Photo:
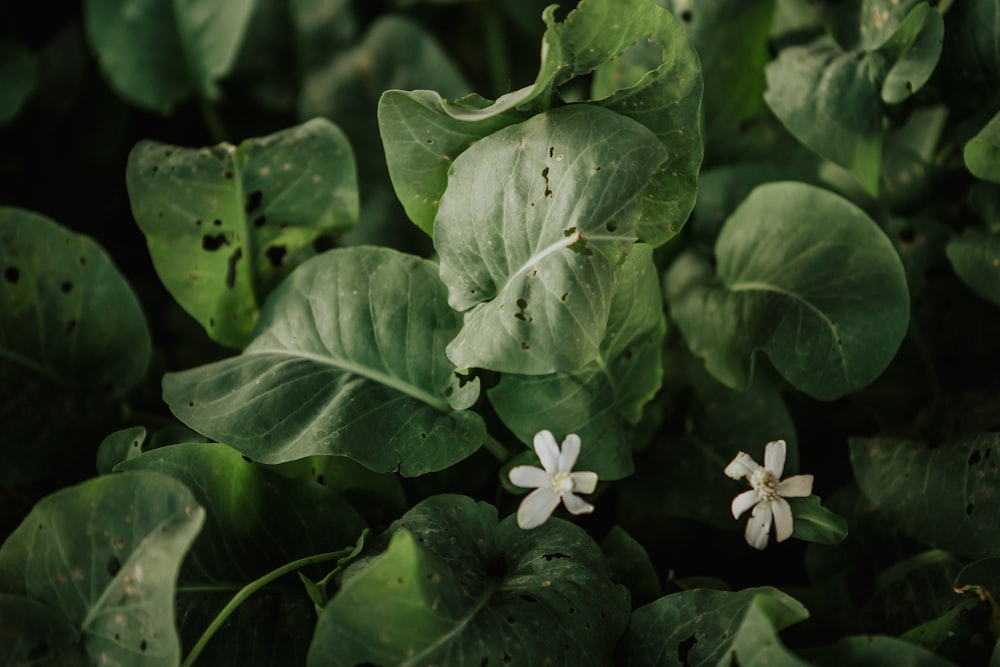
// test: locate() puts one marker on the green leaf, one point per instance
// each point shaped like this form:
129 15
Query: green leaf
756 641
73 339
423 134
815 523
942 496
454 587
225 224
32 633
630 565
106 553
528 236
698 627
975 256
18 74
256 521
958 633
603 399
804 276
122 445
982 152
358 370
831 98
157 52
873 651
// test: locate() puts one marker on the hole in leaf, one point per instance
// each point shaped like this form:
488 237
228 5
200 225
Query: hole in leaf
12 275
253 201
521 303
143 645
684 648
213 243
687 16
423 435
66 286
114 566
611 226
448 391
217 222
510 619
259 221
520 316
529 598
975 458
244 457
322 243
549 557
275 254
571 610
231 270
564 296
545 175
525 346
320 479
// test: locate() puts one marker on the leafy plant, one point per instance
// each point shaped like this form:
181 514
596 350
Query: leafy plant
298 299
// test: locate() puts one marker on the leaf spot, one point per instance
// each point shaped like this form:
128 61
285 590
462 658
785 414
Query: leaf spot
975 458
259 221
231 269
12 275
114 566
66 286
322 243
253 201
684 648
213 243
275 254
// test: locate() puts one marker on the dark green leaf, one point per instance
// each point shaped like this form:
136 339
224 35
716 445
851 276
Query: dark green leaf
528 236
358 371
17 78
106 554
873 651
32 633
630 565
804 276
603 399
982 152
224 225
455 588
975 256
255 521
942 496
815 523
120 446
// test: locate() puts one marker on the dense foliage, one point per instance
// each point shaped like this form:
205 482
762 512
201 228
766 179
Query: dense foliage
296 295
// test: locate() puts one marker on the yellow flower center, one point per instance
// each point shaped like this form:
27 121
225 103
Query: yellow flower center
561 482
765 484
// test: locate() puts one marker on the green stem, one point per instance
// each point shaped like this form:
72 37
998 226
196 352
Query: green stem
496 449
253 587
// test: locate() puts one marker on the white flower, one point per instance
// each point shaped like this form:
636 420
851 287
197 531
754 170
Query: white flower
555 482
767 495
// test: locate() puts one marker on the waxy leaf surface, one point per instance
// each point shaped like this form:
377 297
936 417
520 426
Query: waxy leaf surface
803 275
456 588
348 359
533 222
225 224
157 52
106 554
601 400
255 521
943 496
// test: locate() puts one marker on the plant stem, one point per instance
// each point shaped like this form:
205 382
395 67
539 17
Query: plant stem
251 588
496 449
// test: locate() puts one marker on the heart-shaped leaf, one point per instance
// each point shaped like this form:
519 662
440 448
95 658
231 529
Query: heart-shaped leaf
348 359
600 401
73 339
106 554
942 496
454 587
224 225
157 52
268 520
700 627
529 235
803 275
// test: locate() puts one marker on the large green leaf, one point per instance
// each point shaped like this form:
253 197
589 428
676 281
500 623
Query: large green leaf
348 359
529 234
975 256
422 133
944 496
756 642
256 521
982 152
831 98
225 224
803 275
698 627
17 78
73 339
157 52
454 587
603 399
874 651
106 554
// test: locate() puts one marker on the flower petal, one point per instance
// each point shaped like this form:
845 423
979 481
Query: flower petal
584 481
536 507
577 505
759 525
796 487
782 518
774 457
570 452
528 477
743 502
741 466
547 451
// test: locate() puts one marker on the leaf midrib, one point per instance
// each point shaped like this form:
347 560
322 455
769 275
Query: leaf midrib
479 605
363 371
